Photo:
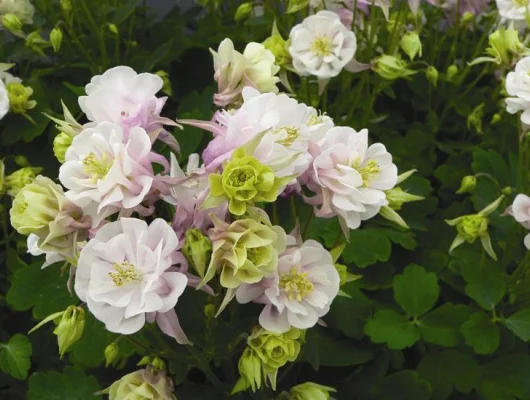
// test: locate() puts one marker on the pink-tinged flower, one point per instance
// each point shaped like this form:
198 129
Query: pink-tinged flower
106 172
299 293
188 196
518 86
350 177
129 99
287 125
520 210
126 276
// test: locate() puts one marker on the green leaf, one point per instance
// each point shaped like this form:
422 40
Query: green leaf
519 323
71 384
387 326
89 351
416 290
402 385
481 333
366 247
43 289
321 348
508 374
486 284
349 314
14 356
405 239
123 12
449 369
442 326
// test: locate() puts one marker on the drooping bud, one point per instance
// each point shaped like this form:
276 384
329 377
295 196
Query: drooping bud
452 70
12 23
474 119
209 311
35 42
197 249
61 143
243 11
15 181
278 46
56 38
468 184
143 384
310 391
112 353
432 75
411 44
70 328
19 102
391 67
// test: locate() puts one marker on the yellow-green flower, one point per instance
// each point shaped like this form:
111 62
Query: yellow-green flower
278 46
391 67
244 251
197 249
61 143
145 384
244 182
19 95
112 353
475 226
505 47
15 181
275 349
250 370
310 391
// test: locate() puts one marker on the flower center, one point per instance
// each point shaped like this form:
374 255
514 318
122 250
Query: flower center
240 176
125 273
520 3
254 255
98 169
369 171
292 134
315 119
472 226
296 285
321 46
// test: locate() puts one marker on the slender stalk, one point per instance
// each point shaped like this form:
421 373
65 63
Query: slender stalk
308 222
292 207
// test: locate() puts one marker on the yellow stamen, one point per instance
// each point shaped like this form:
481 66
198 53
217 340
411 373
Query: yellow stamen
292 135
520 3
296 285
98 169
321 46
368 171
125 273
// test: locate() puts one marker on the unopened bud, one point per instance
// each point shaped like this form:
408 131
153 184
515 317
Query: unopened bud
452 70
12 23
197 249
20 178
112 352
474 120
467 18
61 143
70 328
468 184
495 119
391 67
507 190
243 11
310 391
432 75
113 28
66 5
21 161
411 44
19 102
56 38
209 311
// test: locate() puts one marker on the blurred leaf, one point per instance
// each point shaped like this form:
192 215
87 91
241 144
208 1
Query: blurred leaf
402 385
71 384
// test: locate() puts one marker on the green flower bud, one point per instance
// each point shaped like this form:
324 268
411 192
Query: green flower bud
145 384
244 182
310 391
474 120
278 46
468 184
2 176
250 369
197 249
70 328
470 227
209 311
296 5
411 44
243 11
467 18
12 23
61 143
66 5
452 70
36 43
15 181
391 67
113 28
507 190
495 119
396 197
112 352
56 38
505 46
166 88
244 251
19 95
432 75
343 273
21 161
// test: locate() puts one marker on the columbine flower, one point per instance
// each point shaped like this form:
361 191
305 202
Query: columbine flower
244 182
520 210
129 99
19 95
299 293
23 9
512 10
474 226
197 249
41 208
126 276
310 391
145 384
15 181
504 47
107 171
244 251
350 177
4 100
321 45
188 196
233 71
518 86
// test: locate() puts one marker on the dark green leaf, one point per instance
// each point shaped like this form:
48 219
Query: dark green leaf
481 333
416 291
509 374
71 384
366 247
402 385
387 326
486 284
519 323
349 314
442 326
14 356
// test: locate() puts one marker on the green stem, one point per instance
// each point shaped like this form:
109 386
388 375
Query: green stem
204 366
308 222
292 206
